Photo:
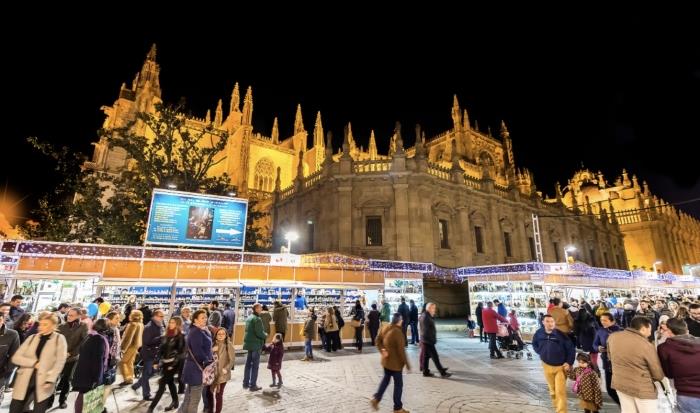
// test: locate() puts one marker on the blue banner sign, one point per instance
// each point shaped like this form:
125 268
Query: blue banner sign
196 220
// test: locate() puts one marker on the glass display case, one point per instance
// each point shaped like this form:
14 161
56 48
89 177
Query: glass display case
527 298
411 289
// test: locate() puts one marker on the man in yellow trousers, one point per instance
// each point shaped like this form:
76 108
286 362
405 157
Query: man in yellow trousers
557 353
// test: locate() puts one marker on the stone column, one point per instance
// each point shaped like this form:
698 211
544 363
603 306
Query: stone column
403 250
345 219
494 235
466 252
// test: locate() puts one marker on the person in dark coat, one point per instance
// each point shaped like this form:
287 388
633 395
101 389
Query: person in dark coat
600 342
274 363
338 336
280 314
171 350
23 326
358 314
428 335
373 323
92 363
413 320
150 343
198 356
147 313
9 343
75 333
480 322
406 316
585 331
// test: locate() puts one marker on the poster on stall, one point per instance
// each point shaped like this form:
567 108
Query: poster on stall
196 220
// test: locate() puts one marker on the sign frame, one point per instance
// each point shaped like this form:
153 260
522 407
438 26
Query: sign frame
156 191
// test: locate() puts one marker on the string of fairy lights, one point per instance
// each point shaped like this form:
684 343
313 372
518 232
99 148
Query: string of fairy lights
10 251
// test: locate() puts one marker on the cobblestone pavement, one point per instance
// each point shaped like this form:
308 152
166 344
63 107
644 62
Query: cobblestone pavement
345 381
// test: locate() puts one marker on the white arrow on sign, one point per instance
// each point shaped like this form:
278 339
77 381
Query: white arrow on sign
228 231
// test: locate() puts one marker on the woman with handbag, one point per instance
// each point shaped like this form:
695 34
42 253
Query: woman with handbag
170 351
40 361
198 362
358 322
224 354
92 363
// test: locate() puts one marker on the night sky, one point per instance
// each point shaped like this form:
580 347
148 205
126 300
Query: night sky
605 92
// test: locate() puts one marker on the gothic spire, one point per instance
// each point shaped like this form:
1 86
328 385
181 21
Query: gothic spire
372 146
219 116
456 115
235 99
318 131
298 121
275 132
248 107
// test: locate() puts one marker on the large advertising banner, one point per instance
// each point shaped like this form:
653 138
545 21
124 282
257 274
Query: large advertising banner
196 220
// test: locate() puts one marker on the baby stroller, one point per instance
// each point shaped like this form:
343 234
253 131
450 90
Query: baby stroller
511 342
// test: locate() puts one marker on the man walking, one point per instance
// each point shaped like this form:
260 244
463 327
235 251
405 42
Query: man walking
253 341
151 337
680 360
415 339
75 333
428 335
557 353
635 366
406 317
391 345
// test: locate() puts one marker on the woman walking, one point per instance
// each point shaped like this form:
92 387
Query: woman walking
40 361
199 355
92 363
171 350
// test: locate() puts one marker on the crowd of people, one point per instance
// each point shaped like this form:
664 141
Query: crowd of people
630 345
637 342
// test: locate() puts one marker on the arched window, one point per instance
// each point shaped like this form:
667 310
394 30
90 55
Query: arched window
265 175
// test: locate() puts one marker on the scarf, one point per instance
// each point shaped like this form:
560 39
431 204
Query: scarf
577 382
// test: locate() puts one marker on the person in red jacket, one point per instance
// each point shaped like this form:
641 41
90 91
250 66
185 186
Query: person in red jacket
491 319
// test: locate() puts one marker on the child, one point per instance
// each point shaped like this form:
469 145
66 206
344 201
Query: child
274 363
586 384
309 336
471 326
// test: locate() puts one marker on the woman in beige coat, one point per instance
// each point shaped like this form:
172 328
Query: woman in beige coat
37 375
131 342
224 354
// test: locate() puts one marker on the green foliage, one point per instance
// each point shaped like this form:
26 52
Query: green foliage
96 207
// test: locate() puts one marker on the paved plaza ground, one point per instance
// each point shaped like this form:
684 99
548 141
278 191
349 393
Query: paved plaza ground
345 381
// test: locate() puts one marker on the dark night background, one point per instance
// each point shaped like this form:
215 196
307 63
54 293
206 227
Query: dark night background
614 92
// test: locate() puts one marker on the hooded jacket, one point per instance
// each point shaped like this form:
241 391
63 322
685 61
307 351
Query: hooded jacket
680 359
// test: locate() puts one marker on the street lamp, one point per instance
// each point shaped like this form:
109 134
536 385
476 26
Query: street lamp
172 186
656 271
567 250
290 236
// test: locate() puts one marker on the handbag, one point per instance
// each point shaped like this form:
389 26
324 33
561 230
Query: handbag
355 323
208 372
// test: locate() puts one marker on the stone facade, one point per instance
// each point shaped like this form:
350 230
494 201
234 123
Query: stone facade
653 230
454 200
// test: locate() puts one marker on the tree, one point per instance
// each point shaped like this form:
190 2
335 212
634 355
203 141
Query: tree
164 151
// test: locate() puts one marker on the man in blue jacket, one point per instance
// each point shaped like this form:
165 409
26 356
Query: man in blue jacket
152 333
557 353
